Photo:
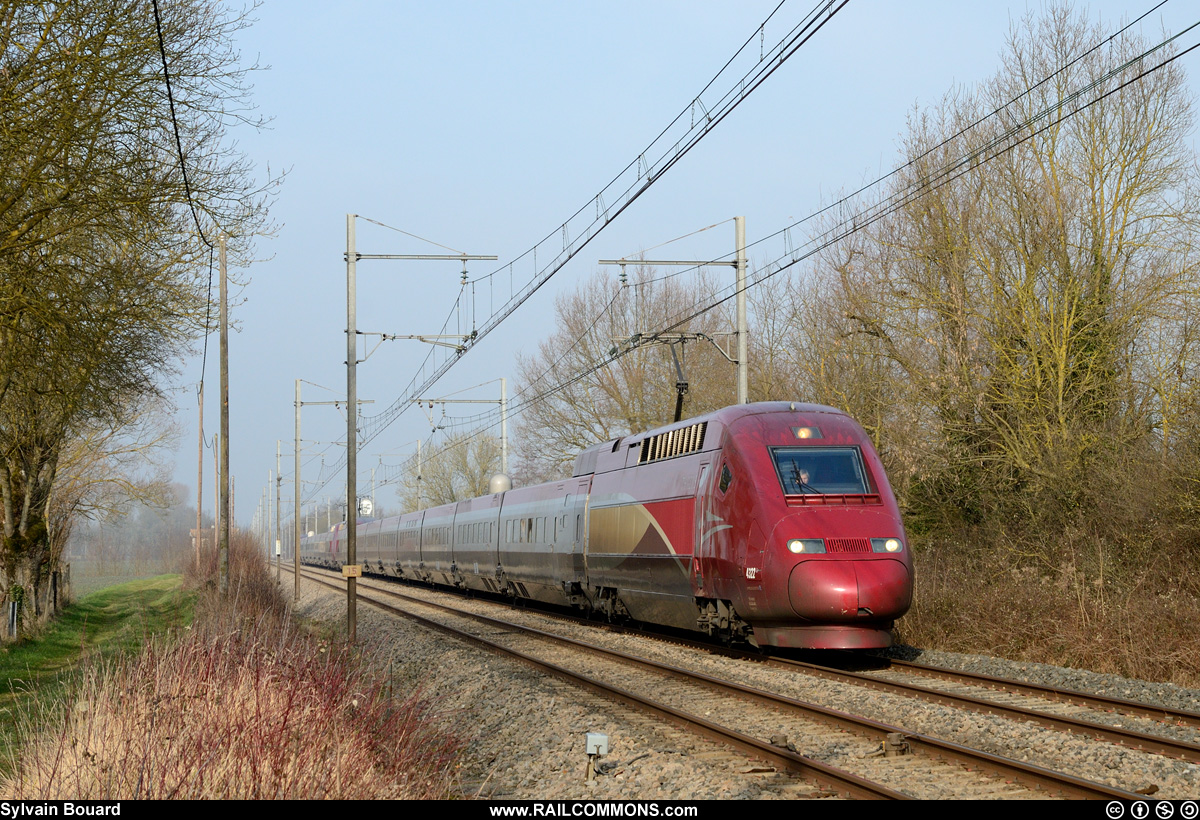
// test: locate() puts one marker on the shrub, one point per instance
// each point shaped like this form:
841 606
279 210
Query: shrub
240 705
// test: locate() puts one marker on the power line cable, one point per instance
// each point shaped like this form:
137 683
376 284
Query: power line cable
187 187
947 141
646 173
944 176
891 204
640 174
956 169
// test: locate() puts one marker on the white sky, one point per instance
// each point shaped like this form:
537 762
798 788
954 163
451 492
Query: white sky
484 125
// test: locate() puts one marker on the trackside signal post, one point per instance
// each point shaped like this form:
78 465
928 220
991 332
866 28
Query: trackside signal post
351 570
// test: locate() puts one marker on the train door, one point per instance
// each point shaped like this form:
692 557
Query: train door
575 532
703 561
583 493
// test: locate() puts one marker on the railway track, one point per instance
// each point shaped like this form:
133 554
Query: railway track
1144 727
551 658
839 750
1134 725
1157 713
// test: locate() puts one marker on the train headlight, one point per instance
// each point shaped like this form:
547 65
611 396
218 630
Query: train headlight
886 545
808 546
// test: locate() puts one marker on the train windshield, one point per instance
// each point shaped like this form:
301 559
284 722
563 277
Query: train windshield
820 470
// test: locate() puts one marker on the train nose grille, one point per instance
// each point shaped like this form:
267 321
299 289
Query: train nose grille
847 544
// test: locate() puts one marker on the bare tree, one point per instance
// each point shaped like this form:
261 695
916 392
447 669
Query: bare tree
104 273
459 468
572 396
1025 299
105 470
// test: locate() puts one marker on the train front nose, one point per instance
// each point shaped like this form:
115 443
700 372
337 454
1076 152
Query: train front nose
842 591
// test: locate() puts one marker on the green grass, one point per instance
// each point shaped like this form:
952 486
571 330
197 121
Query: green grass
115 619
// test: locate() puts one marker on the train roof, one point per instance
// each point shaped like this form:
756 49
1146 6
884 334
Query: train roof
683 437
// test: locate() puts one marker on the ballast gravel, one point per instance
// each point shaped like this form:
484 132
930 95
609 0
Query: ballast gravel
525 731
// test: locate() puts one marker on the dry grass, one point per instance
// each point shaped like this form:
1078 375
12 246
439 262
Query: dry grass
1092 607
1102 574
241 705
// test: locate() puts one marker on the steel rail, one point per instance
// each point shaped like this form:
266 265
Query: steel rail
829 776
1129 738
1160 713
1028 774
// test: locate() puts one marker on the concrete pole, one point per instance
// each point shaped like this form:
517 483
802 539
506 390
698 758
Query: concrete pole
278 526
266 500
296 475
504 425
351 431
743 331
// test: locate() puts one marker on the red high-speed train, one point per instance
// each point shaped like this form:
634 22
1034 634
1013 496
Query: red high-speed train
771 523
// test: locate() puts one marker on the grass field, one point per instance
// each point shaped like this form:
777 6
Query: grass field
216 696
115 619
88 576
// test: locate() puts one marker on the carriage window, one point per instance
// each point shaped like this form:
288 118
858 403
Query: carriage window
726 478
820 470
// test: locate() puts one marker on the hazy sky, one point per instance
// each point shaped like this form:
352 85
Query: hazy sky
484 125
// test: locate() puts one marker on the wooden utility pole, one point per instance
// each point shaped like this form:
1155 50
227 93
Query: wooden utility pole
223 544
216 490
199 474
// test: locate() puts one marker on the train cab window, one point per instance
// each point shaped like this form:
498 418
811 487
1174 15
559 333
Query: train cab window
820 470
726 478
